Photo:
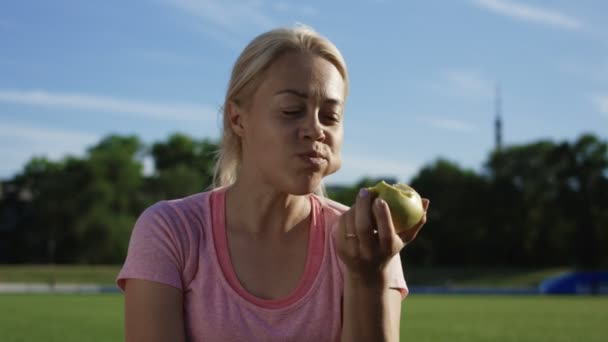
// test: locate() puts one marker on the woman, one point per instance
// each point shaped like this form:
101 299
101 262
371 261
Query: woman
260 257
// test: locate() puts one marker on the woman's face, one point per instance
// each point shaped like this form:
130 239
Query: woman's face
292 127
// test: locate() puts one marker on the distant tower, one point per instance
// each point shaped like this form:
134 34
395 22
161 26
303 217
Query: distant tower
498 121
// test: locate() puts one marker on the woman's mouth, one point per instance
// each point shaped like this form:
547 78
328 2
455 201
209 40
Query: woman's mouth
313 159
316 160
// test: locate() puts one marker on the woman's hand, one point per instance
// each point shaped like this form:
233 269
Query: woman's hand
366 239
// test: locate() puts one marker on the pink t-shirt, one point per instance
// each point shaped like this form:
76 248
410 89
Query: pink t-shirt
182 243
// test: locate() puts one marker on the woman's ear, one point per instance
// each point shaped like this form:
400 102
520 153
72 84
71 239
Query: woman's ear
235 116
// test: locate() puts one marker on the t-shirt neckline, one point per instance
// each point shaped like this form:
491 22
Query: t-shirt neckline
314 255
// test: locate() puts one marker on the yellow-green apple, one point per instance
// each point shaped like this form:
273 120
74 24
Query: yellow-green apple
404 202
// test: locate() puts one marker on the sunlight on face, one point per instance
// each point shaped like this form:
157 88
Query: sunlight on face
293 126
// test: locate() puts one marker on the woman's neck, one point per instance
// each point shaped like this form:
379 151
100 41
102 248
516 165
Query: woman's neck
252 207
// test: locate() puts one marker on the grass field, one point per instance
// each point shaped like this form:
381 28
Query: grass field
504 318
456 276
91 274
68 318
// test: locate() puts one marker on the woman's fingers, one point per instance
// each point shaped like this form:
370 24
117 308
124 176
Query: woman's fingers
366 237
366 234
345 236
386 230
346 229
364 224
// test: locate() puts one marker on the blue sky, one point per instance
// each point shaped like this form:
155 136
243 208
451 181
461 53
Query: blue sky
423 73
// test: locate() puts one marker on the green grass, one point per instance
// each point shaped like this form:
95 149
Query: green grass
479 276
91 274
65 318
504 318
457 276
70 318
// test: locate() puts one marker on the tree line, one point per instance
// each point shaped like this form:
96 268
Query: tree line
538 204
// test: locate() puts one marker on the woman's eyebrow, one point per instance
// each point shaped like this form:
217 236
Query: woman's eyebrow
298 93
305 95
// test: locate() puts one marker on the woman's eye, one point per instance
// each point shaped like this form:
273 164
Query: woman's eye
332 118
292 112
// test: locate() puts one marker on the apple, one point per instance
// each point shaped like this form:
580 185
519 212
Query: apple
404 202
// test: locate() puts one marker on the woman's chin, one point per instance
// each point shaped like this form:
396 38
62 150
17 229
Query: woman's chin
303 190
305 186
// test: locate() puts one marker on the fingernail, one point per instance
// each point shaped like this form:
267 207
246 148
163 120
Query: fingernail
363 193
379 203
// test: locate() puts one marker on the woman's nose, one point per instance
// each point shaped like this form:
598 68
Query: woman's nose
312 129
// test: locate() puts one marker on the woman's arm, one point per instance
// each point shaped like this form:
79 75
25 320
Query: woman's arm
153 312
366 242
372 312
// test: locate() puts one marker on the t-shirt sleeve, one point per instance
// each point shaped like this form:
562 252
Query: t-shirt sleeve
155 251
396 278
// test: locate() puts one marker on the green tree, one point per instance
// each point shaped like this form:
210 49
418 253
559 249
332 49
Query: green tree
183 166
548 201
31 239
537 204
82 209
456 228
522 209
111 200
583 189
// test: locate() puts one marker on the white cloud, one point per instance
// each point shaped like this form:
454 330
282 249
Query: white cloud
471 82
601 103
226 20
529 13
231 22
21 141
449 124
151 110
42 134
463 83
231 15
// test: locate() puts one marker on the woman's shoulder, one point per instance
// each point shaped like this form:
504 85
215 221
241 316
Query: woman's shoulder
166 241
330 208
191 203
179 213
334 205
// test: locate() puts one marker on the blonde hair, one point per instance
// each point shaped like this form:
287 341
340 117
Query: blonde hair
246 75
